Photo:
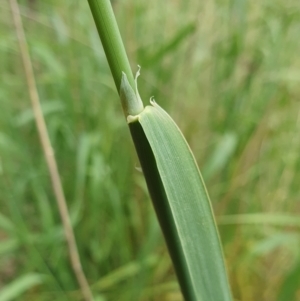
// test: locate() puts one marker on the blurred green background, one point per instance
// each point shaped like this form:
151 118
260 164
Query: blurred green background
228 72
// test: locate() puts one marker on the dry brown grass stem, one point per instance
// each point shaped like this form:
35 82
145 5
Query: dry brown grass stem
49 154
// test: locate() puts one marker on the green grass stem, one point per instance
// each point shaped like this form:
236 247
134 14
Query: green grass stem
111 40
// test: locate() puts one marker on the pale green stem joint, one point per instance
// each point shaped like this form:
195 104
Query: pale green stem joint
130 99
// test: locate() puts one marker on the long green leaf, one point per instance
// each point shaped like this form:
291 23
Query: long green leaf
184 205
19 286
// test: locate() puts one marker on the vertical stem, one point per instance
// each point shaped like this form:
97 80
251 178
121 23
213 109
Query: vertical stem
49 154
111 40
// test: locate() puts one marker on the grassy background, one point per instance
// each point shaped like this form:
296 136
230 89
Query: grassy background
228 71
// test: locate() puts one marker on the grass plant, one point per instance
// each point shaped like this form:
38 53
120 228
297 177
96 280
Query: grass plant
173 179
243 59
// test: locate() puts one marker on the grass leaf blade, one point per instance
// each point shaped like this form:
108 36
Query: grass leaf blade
19 286
191 231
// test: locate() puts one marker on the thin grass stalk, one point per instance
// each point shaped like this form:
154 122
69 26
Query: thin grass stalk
111 40
49 154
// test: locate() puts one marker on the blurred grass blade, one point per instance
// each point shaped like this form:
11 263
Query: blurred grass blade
8 246
221 154
131 269
182 205
16 288
272 242
5 223
276 219
170 45
83 153
289 289
48 107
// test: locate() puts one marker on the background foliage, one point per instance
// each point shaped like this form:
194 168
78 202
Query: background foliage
228 71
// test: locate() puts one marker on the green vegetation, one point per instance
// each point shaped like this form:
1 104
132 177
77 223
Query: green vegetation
227 71
174 183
